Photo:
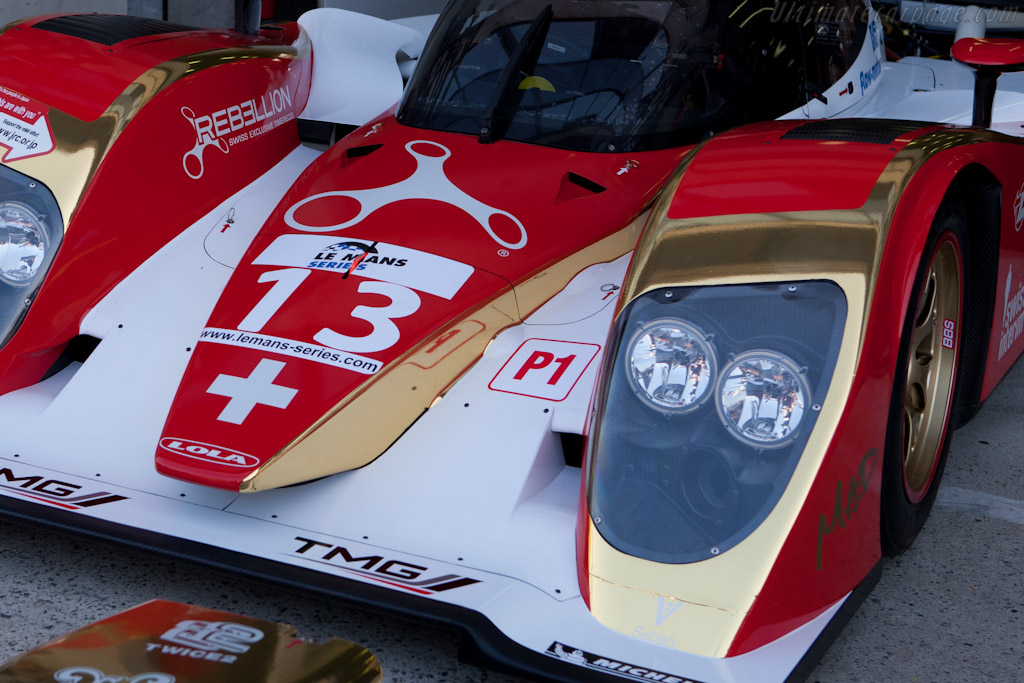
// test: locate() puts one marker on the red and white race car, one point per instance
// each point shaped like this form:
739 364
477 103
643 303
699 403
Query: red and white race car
630 339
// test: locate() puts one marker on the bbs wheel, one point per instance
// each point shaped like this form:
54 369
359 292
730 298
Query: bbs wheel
919 428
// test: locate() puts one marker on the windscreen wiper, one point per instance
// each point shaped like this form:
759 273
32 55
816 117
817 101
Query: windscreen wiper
506 93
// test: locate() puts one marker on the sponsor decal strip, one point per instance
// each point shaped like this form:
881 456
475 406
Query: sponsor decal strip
24 130
573 655
391 572
41 499
419 270
60 494
292 348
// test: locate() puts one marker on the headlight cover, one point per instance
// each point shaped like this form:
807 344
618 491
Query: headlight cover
31 230
762 398
672 365
707 398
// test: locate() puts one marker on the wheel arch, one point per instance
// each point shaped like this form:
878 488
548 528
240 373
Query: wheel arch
980 192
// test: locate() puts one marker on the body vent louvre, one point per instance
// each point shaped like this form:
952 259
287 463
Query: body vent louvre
875 131
109 29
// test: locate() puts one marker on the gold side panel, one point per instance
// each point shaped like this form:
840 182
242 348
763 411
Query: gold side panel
396 398
650 600
80 146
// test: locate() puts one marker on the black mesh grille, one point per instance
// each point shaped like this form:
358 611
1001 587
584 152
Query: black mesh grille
876 131
108 29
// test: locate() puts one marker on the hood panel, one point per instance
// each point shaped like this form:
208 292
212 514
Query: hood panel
508 208
82 77
293 336
383 260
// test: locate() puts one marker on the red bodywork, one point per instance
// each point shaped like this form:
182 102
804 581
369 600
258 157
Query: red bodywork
534 222
835 540
479 258
150 191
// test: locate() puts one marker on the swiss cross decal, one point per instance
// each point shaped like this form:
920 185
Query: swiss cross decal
545 368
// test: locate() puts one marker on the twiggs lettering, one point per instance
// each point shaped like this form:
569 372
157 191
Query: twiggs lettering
847 505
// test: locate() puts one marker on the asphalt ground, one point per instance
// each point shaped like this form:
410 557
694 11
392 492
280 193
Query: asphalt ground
950 610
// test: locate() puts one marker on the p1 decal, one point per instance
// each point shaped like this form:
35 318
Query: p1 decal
395 573
428 181
588 660
233 125
419 270
545 368
24 128
248 392
52 492
208 452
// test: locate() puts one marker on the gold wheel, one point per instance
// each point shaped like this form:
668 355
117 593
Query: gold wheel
931 368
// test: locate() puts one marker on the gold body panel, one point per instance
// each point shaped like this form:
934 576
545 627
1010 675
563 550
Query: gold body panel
80 146
699 607
397 397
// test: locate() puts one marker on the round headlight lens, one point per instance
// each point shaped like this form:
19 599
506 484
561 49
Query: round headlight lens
671 365
23 243
762 397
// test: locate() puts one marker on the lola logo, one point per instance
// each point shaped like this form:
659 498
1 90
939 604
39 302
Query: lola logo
428 181
208 452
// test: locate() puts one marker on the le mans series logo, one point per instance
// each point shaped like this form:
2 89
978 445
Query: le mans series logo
235 125
60 494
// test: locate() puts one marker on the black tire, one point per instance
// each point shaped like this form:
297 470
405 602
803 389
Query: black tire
920 429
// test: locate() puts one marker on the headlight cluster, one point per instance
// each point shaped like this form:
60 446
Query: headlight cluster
708 396
760 395
30 233
23 243
672 365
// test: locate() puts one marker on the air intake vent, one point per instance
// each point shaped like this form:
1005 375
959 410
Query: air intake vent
108 29
574 186
876 131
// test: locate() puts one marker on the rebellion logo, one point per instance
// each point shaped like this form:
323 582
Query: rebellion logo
208 452
395 573
239 121
428 181
53 492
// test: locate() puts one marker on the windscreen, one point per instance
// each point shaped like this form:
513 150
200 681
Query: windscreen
610 76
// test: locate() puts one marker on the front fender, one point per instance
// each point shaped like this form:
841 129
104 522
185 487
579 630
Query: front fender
849 202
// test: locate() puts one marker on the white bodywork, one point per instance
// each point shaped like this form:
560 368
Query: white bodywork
489 503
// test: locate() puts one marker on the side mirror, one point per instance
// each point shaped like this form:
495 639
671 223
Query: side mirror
356 75
990 58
